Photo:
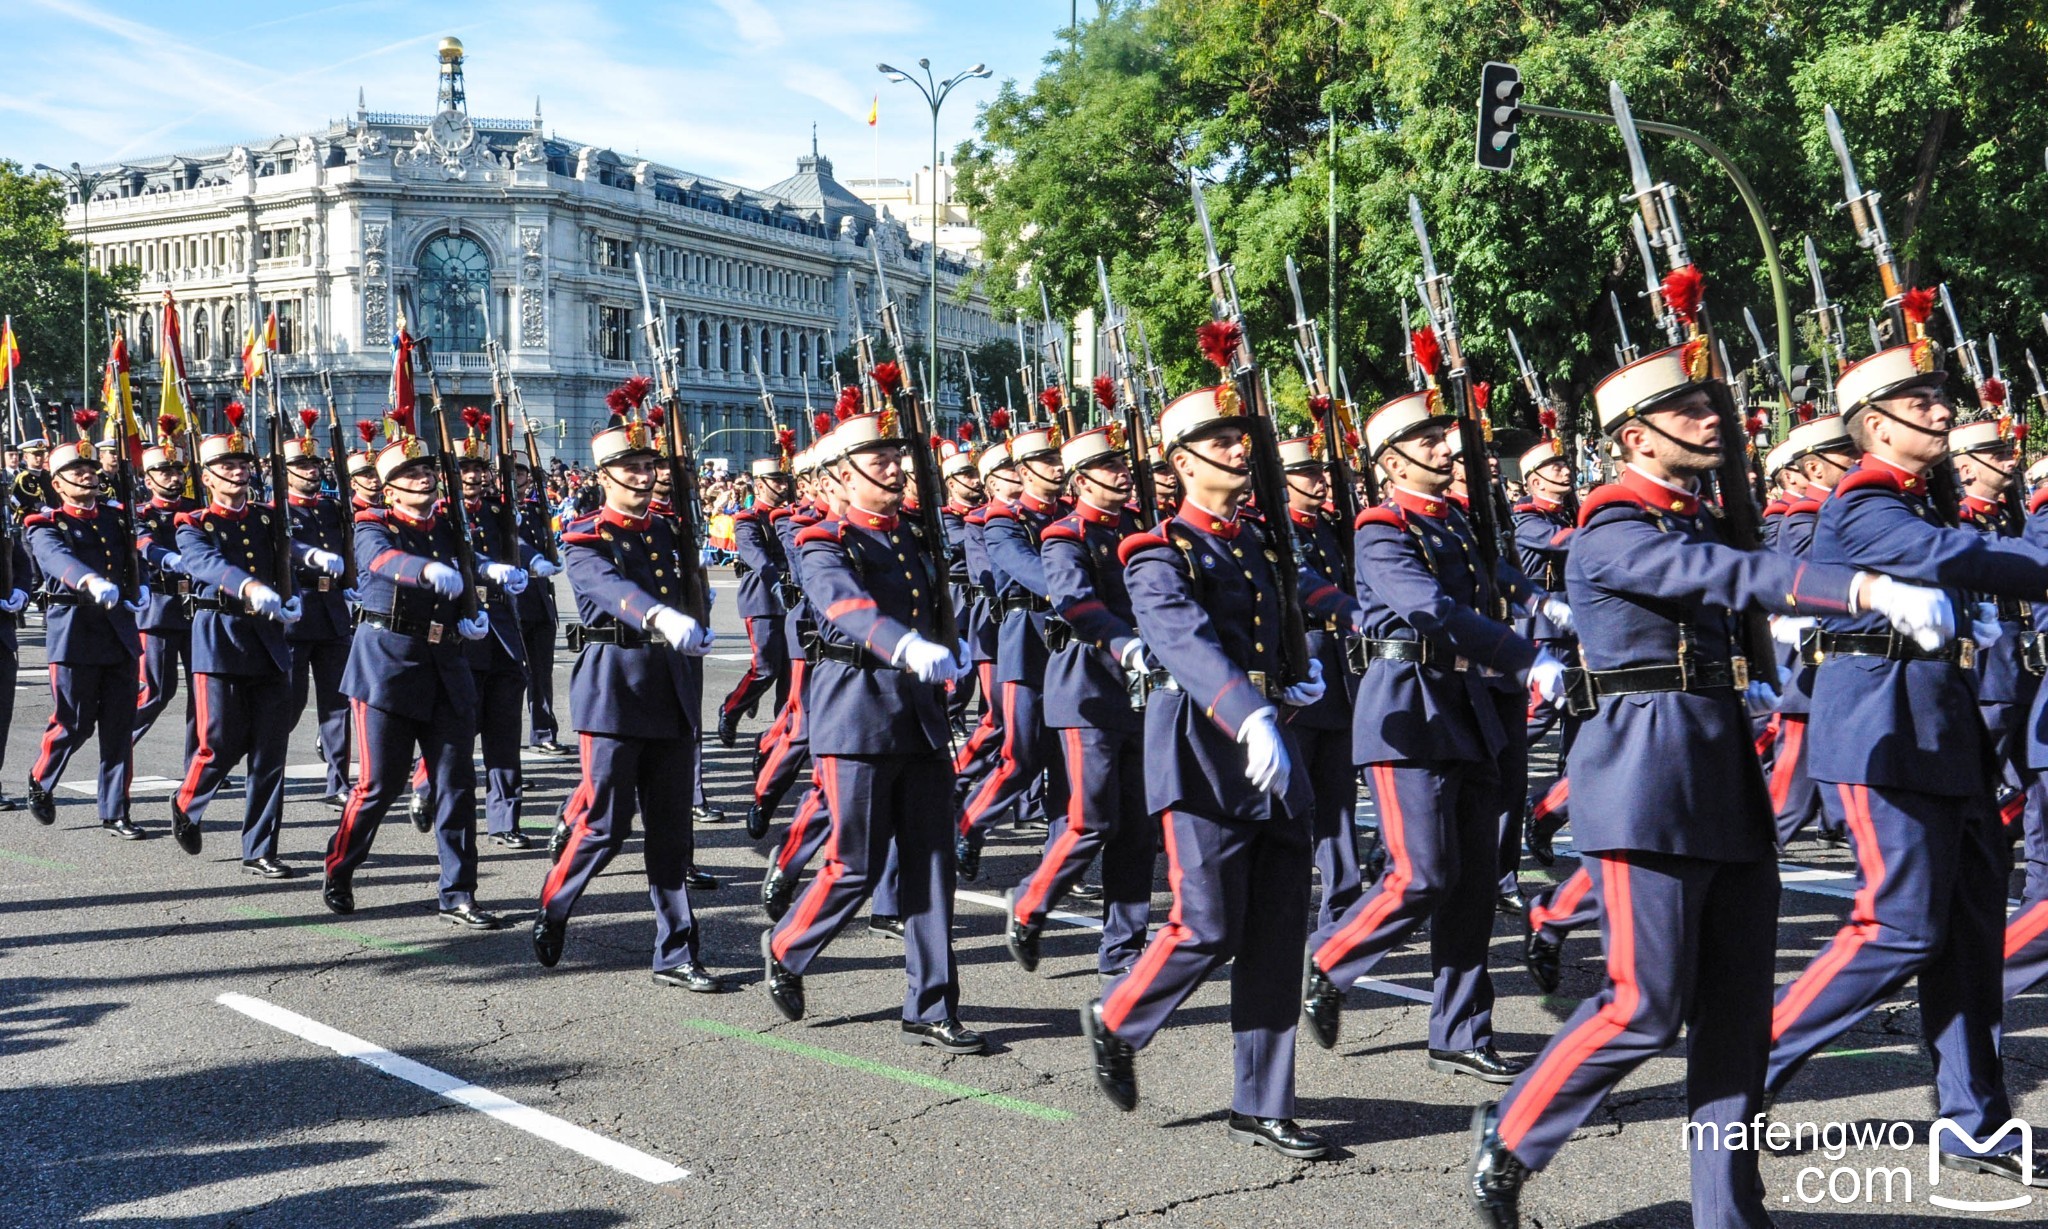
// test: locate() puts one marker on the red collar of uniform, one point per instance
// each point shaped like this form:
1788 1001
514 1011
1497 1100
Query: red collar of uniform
1032 503
864 519
1545 506
79 514
1195 516
1658 494
1092 515
660 507
958 509
633 524
169 505
399 515
304 501
1817 493
233 514
1302 519
1913 483
1464 502
1979 509
1436 507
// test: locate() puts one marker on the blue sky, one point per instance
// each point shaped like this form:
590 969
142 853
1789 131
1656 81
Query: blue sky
727 88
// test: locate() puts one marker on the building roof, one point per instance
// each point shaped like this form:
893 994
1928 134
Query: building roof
812 187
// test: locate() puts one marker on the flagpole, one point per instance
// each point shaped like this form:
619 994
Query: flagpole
13 409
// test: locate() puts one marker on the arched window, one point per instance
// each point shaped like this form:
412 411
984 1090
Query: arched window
747 349
145 339
682 341
703 343
803 352
725 347
200 337
228 340
782 359
454 275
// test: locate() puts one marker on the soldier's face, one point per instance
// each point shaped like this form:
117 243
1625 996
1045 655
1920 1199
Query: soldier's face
1916 431
36 459
1685 436
412 489
1307 488
304 477
1213 468
1422 462
1043 476
1551 480
629 484
364 483
78 482
1105 483
167 480
476 479
1004 486
965 488
227 480
874 479
772 491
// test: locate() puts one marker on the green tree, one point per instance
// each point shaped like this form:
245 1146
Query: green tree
39 285
1946 105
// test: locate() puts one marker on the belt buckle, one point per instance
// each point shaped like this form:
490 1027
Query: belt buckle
326 582
1966 653
433 633
184 585
1258 680
1461 664
1738 669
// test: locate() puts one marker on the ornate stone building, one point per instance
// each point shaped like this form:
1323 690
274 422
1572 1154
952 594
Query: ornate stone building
481 228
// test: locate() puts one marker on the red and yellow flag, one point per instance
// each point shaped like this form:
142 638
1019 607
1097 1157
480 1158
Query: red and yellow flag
117 397
173 360
10 353
875 111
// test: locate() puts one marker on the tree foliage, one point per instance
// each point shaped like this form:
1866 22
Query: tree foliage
1945 104
39 285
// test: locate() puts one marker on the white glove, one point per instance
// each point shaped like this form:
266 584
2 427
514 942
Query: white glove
104 593
477 628
1760 696
171 560
1265 754
931 663
705 639
352 597
1557 611
1924 615
543 568
263 600
1546 676
1308 691
1787 629
293 611
680 630
511 579
141 602
325 561
1134 656
14 602
1986 632
442 579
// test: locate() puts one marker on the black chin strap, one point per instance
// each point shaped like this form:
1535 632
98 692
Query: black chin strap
895 488
1878 407
1234 471
1695 449
1418 463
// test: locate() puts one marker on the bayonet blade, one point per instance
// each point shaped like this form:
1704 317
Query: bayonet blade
1642 237
1991 348
1638 168
1109 316
1620 321
1521 363
1948 307
1851 189
1820 287
2040 389
1422 237
1294 284
1763 352
1202 216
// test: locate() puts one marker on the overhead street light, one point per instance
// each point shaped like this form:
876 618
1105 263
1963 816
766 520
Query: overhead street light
86 183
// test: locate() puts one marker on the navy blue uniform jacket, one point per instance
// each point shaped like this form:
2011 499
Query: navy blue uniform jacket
399 673
870 583
223 551
1084 682
69 545
620 568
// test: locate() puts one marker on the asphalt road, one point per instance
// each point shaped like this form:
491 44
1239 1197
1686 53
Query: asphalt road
134 1094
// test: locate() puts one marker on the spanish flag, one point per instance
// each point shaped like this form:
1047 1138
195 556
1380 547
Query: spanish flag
874 110
173 407
10 353
118 398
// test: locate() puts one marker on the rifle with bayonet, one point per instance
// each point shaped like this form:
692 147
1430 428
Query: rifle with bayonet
549 548
687 503
1029 406
1269 482
1368 473
280 492
1834 339
1130 400
1334 425
2013 510
1416 381
1482 503
974 397
501 443
471 599
924 467
1674 332
1155 376
1657 205
1626 352
1054 345
337 446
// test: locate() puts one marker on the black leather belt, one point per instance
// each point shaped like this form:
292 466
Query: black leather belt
817 648
47 598
1030 603
194 603
790 592
1817 645
1583 689
401 625
2034 653
1364 651
582 635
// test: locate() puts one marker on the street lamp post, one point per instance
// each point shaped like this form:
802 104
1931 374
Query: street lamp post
86 183
934 95
1337 25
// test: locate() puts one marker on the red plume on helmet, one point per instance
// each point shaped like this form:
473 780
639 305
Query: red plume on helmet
167 424
401 417
785 442
1000 420
1482 394
472 418
966 432
1993 391
1052 399
85 418
888 377
1917 304
1547 418
938 445
1218 340
1105 392
1320 405
636 388
1754 424
366 429
234 413
1807 411
1428 352
1684 288
848 405
656 416
306 418
821 422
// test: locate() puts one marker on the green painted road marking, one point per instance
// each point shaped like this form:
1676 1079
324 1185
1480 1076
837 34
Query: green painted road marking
869 1067
31 860
340 932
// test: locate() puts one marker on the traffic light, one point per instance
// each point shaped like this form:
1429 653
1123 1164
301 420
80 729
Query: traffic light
1500 109
1807 383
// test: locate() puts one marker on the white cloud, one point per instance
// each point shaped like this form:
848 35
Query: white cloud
752 21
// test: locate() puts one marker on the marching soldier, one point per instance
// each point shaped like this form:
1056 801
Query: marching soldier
785 749
2026 931
1904 765
89 637
982 748
538 618
165 626
964 493
409 682
1224 774
1543 524
1688 890
1431 730
241 660
11 619
879 737
1096 652
1988 465
365 488
633 704
760 569
319 639
1010 536
32 490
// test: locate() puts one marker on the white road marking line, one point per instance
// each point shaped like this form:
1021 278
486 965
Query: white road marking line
626 1160
992 901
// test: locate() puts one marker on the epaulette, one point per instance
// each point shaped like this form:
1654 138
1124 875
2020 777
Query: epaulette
1527 506
1614 495
1137 542
1776 507
34 519
1857 480
1382 515
991 511
823 531
1065 529
746 514
1803 507
776 514
370 516
191 519
2040 498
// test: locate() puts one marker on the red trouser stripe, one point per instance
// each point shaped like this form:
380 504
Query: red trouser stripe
813 900
806 815
51 734
578 815
1005 764
1032 899
2025 927
1157 952
202 719
1862 915
1562 904
1400 873
1559 794
1791 737
360 792
1554 1068
142 686
757 670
